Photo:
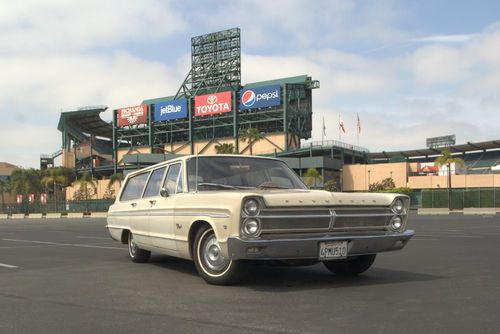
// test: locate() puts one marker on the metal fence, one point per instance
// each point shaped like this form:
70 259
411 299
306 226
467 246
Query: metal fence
96 205
462 198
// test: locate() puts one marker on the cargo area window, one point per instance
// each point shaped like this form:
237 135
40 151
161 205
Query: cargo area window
134 187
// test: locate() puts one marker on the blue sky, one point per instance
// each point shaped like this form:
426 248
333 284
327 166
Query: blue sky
410 69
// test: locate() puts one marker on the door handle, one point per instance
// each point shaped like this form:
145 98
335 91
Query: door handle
153 201
133 204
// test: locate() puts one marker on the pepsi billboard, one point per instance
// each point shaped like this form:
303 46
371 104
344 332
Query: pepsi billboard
260 97
170 110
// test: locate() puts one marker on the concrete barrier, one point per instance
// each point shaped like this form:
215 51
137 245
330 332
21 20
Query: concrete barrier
75 214
98 214
17 216
433 211
35 215
4 216
53 215
480 211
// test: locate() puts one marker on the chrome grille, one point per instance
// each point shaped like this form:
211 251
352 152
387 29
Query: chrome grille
306 219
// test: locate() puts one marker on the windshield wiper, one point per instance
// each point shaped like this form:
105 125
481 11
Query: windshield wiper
219 185
270 185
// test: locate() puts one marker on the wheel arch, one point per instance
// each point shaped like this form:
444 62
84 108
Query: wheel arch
124 237
195 226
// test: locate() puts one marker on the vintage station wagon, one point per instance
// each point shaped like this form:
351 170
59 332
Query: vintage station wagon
223 210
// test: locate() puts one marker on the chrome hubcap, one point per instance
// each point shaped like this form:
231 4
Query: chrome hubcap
212 256
132 245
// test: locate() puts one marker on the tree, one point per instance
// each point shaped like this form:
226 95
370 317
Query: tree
85 181
25 181
446 160
312 176
54 178
4 187
251 135
330 186
385 184
225 149
110 192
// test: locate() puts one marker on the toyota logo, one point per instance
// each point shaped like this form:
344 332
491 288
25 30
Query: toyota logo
211 99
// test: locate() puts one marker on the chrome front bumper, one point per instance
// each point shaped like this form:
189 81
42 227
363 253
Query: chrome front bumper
308 247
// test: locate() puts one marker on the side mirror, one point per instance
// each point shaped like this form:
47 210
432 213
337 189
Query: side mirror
163 192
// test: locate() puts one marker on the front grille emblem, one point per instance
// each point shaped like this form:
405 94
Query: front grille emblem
333 215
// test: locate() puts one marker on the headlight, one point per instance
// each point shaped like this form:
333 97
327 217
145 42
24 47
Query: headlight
250 227
396 223
251 207
398 206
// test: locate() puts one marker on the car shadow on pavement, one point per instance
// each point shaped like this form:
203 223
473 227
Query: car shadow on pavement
274 278
278 277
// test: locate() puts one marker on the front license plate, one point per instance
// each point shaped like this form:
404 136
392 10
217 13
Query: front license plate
332 250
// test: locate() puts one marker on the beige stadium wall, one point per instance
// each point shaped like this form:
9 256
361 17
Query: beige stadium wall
101 187
267 145
68 159
123 151
357 177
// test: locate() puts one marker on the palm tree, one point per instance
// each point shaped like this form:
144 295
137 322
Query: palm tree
4 187
312 176
54 178
116 177
252 135
446 160
25 181
224 148
85 181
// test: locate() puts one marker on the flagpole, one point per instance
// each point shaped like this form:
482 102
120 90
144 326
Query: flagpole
323 131
339 129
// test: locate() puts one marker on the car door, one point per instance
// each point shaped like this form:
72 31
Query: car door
162 213
139 207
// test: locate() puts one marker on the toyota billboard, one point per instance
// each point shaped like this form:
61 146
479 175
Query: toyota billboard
260 97
212 104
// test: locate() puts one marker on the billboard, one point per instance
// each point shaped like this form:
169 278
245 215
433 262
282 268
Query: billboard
260 97
169 110
212 104
133 115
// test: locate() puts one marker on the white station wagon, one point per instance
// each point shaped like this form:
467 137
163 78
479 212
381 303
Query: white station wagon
223 210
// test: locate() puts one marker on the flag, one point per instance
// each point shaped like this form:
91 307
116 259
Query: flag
341 124
324 127
359 123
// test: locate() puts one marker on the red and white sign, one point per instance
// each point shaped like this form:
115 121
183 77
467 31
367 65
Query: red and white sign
133 115
212 104
31 198
43 198
19 198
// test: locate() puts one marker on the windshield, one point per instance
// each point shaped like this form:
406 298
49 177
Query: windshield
215 173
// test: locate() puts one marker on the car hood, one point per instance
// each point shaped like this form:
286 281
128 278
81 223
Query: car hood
322 198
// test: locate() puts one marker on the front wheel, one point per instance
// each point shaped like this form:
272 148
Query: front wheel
351 266
214 267
137 254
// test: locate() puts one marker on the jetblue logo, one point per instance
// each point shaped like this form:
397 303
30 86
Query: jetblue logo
170 110
260 97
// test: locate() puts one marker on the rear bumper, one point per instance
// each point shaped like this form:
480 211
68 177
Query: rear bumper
308 247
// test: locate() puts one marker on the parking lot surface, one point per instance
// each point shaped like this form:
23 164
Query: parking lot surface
68 276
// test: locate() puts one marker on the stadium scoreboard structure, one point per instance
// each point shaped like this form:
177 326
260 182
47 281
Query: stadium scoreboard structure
211 106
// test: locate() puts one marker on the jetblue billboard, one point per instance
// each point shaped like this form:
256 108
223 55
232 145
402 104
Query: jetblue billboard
170 110
260 97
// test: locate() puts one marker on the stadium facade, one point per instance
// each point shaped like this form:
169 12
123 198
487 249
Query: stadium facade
212 107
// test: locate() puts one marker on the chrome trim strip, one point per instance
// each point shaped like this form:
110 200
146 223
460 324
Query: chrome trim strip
158 213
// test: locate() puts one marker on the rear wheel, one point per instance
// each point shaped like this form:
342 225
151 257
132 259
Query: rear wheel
137 254
211 264
353 265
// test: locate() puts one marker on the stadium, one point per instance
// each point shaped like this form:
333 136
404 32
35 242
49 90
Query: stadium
212 109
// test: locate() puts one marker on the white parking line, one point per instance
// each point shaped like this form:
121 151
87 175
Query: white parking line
61 244
103 238
8 266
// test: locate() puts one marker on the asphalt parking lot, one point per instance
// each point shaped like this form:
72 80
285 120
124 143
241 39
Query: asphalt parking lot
68 276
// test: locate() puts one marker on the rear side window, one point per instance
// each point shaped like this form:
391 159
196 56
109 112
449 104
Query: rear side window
134 187
171 179
153 187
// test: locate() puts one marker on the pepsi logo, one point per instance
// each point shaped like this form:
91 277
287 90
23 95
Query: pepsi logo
211 99
248 98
